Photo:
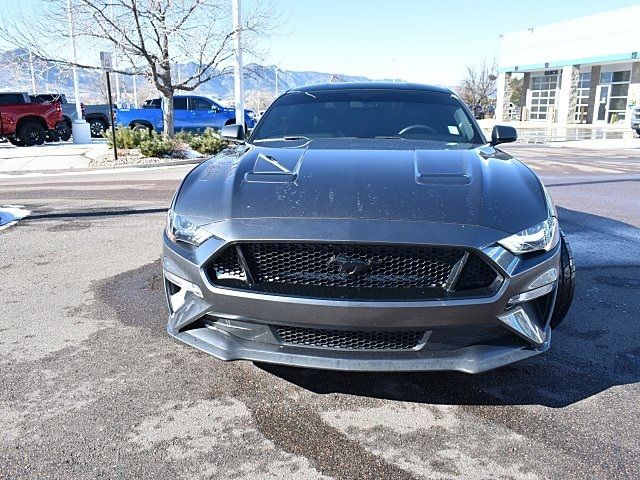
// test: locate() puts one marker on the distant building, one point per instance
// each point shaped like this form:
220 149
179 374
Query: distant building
583 70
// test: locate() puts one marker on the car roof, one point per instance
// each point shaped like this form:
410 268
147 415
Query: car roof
371 86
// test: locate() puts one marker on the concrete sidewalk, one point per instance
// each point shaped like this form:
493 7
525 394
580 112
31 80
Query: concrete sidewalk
599 144
543 133
49 156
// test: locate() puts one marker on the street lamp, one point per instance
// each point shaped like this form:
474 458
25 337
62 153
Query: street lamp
238 73
80 128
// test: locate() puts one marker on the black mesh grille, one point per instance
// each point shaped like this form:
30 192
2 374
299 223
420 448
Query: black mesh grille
349 271
351 340
318 264
476 274
227 269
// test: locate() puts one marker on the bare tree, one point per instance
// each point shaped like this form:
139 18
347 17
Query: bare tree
478 86
151 35
22 71
259 100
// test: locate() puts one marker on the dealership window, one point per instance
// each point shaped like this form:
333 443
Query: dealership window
614 91
543 94
582 98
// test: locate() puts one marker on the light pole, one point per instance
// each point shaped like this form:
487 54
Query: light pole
33 74
115 58
80 129
238 73
275 71
135 90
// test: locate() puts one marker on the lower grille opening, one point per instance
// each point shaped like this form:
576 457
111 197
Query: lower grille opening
350 339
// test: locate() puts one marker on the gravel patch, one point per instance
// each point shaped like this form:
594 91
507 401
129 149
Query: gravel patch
134 157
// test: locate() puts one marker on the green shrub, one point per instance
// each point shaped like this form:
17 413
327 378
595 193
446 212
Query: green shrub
127 137
157 146
184 136
209 143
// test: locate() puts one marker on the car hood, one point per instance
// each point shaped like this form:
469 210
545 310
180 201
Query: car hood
359 180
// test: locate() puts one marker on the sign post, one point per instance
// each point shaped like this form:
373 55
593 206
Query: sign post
107 66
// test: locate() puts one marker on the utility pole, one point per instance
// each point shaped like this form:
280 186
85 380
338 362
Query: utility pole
238 73
80 129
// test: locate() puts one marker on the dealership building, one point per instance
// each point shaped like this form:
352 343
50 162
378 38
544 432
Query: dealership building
583 70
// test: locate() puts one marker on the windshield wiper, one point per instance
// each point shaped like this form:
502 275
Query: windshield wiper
390 137
291 138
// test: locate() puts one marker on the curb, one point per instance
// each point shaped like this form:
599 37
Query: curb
106 169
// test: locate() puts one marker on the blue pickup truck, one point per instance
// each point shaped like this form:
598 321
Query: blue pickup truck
191 113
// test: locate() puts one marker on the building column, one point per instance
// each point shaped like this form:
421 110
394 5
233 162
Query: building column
526 81
595 81
573 94
633 99
503 96
567 99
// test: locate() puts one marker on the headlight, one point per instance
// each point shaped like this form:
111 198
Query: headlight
185 229
543 236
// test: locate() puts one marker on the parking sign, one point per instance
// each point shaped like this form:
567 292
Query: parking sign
105 61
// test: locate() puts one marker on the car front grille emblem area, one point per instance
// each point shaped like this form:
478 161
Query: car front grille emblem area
352 271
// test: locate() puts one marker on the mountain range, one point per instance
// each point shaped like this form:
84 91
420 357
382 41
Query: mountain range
260 80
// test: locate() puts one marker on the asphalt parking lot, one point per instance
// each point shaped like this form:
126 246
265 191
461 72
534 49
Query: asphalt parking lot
92 387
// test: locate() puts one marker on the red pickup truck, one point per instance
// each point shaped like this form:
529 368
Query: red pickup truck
24 123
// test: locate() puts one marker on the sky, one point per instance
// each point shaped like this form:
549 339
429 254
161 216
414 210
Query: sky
423 41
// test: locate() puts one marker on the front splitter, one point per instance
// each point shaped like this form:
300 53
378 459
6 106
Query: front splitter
472 359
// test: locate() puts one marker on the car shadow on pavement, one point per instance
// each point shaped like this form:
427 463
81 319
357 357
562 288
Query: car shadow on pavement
596 347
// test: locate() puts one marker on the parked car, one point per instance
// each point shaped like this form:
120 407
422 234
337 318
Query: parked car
191 113
98 117
366 226
478 112
25 123
69 113
635 119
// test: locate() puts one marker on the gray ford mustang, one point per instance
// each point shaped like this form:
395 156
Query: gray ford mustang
366 227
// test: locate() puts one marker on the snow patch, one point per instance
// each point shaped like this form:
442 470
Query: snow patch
10 214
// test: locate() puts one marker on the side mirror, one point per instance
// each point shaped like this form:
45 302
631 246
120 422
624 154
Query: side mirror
235 133
214 108
503 134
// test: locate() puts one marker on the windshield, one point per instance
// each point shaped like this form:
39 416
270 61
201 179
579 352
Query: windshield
368 113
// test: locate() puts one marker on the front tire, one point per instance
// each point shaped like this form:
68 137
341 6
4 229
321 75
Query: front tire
64 132
32 133
566 283
15 141
97 127
53 136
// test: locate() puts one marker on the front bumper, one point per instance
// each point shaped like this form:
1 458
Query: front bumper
468 335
